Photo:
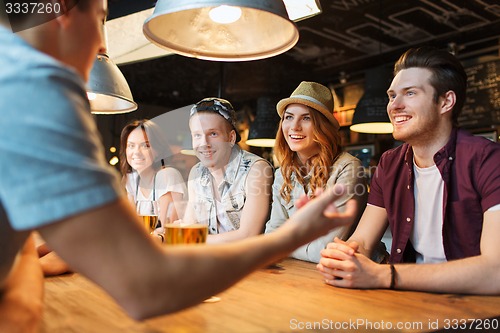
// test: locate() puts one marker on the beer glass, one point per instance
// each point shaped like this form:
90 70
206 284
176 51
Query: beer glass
185 233
148 212
186 230
150 222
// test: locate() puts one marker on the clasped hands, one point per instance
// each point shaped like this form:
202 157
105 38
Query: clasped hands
343 266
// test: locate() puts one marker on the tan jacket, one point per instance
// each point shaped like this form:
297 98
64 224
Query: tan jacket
346 170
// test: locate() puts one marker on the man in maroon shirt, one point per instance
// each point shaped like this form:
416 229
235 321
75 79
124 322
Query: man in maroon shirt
439 192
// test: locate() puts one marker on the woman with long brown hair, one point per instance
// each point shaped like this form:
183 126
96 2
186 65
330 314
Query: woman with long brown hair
310 156
151 185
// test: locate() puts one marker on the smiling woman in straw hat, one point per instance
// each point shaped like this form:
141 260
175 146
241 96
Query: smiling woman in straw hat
310 157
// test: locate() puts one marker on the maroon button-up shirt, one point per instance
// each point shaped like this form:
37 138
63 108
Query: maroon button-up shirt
470 168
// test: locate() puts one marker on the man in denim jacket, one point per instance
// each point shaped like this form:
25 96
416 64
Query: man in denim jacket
229 189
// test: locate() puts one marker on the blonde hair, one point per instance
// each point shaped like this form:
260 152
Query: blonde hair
328 139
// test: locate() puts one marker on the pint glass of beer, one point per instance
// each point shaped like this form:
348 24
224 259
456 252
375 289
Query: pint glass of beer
150 222
187 230
185 233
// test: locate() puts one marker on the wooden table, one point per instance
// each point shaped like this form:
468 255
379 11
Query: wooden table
288 298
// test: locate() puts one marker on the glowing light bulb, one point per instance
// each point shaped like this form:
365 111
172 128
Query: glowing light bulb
225 14
114 160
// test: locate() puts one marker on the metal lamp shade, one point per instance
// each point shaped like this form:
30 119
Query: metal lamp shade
262 131
184 27
108 89
370 115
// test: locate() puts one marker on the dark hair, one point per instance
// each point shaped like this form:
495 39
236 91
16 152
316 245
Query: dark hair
122 154
21 20
447 73
153 135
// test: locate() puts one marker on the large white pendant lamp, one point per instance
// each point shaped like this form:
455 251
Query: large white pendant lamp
225 30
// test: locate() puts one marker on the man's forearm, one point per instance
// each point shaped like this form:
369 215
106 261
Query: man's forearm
474 275
21 299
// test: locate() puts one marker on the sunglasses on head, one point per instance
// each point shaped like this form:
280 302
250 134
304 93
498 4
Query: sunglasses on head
215 105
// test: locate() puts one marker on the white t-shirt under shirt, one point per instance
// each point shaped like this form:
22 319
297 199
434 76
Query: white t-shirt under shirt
427 233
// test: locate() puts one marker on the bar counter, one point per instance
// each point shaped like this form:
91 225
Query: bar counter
288 297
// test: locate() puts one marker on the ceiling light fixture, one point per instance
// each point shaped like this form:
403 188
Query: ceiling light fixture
107 88
262 132
185 27
370 115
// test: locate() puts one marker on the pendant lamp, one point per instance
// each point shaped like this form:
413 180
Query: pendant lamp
370 115
263 129
225 30
107 88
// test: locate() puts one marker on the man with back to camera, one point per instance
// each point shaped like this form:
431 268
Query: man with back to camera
439 192
56 180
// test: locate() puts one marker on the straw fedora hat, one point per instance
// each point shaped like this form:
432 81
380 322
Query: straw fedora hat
314 95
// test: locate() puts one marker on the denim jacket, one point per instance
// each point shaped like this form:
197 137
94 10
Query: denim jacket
345 170
232 191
